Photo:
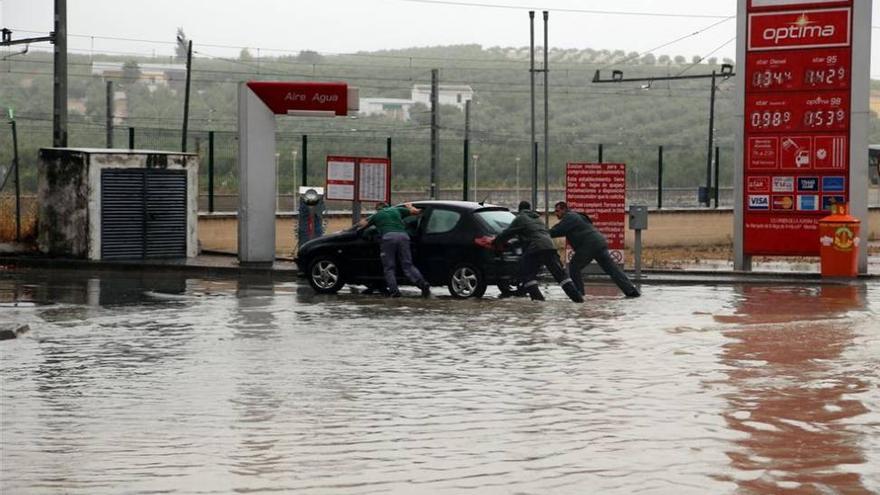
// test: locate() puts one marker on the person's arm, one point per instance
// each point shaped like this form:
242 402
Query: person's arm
563 227
515 227
365 222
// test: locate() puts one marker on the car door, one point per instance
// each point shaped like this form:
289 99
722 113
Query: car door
440 243
360 255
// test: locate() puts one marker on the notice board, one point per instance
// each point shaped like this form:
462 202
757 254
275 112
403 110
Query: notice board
358 178
599 190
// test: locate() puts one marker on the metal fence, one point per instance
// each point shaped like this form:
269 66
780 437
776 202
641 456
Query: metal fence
499 170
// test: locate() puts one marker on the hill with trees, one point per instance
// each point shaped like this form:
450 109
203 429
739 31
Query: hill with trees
630 120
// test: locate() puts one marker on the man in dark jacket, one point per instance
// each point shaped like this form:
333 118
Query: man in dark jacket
588 244
395 245
538 250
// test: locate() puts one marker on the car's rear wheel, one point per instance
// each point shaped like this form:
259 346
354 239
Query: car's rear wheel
466 281
325 276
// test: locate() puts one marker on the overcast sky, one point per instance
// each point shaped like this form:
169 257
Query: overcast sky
345 26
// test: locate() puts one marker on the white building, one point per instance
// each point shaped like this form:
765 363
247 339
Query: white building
449 94
396 108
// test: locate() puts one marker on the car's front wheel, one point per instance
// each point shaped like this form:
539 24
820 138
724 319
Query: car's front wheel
465 281
325 276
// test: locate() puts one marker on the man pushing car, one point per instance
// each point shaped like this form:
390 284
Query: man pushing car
395 245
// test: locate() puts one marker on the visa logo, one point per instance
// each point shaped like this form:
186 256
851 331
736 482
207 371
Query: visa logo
759 202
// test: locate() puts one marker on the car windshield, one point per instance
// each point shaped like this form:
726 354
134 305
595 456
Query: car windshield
495 220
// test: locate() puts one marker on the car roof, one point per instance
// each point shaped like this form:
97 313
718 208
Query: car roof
457 205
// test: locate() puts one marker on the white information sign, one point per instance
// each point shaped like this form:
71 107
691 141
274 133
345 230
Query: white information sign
340 178
374 180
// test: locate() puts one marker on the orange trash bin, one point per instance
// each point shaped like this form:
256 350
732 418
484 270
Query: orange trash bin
839 243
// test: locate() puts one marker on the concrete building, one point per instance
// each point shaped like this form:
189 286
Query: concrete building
449 94
150 74
396 108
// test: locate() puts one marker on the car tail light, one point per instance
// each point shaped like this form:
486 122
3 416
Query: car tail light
485 242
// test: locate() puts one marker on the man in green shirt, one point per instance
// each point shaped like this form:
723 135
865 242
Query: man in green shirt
395 245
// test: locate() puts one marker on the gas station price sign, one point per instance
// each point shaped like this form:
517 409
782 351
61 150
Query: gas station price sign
796 122
797 112
798 70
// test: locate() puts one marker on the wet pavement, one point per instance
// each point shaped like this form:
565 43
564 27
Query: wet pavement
132 382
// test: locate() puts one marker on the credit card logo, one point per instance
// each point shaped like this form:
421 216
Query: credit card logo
783 184
808 184
808 202
836 183
759 202
759 184
784 203
833 199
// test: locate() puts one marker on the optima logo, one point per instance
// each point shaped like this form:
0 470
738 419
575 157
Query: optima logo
801 29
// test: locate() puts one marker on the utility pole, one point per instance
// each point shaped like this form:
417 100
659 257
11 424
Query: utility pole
17 179
532 148
546 128
110 114
711 141
59 85
189 54
435 131
467 132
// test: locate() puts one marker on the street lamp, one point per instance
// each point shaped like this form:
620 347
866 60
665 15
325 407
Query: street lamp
277 182
476 157
294 153
517 178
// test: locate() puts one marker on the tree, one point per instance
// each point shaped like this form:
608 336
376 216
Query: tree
713 61
310 57
727 61
131 72
679 59
649 59
181 49
696 59
245 55
664 59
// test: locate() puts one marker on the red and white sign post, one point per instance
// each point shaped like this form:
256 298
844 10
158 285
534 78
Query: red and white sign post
599 190
803 107
258 104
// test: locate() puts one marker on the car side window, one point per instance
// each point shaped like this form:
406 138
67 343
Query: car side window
442 221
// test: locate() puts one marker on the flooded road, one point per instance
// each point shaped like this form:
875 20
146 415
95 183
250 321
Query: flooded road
130 383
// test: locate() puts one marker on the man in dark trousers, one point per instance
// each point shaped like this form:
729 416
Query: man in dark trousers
588 244
395 245
538 251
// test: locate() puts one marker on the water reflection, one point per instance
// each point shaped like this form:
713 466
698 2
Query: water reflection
793 391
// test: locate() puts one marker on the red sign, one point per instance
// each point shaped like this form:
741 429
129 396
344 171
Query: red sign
355 178
599 190
776 4
316 98
782 111
797 120
799 29
798 69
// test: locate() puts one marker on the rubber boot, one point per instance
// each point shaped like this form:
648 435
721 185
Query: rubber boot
426 289
572 292
535 293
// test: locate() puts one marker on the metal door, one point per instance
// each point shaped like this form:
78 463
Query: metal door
143 213
122 214
165 214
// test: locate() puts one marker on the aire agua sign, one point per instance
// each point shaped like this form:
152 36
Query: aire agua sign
307 98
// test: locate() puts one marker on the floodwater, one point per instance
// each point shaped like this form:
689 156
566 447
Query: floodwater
130 383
